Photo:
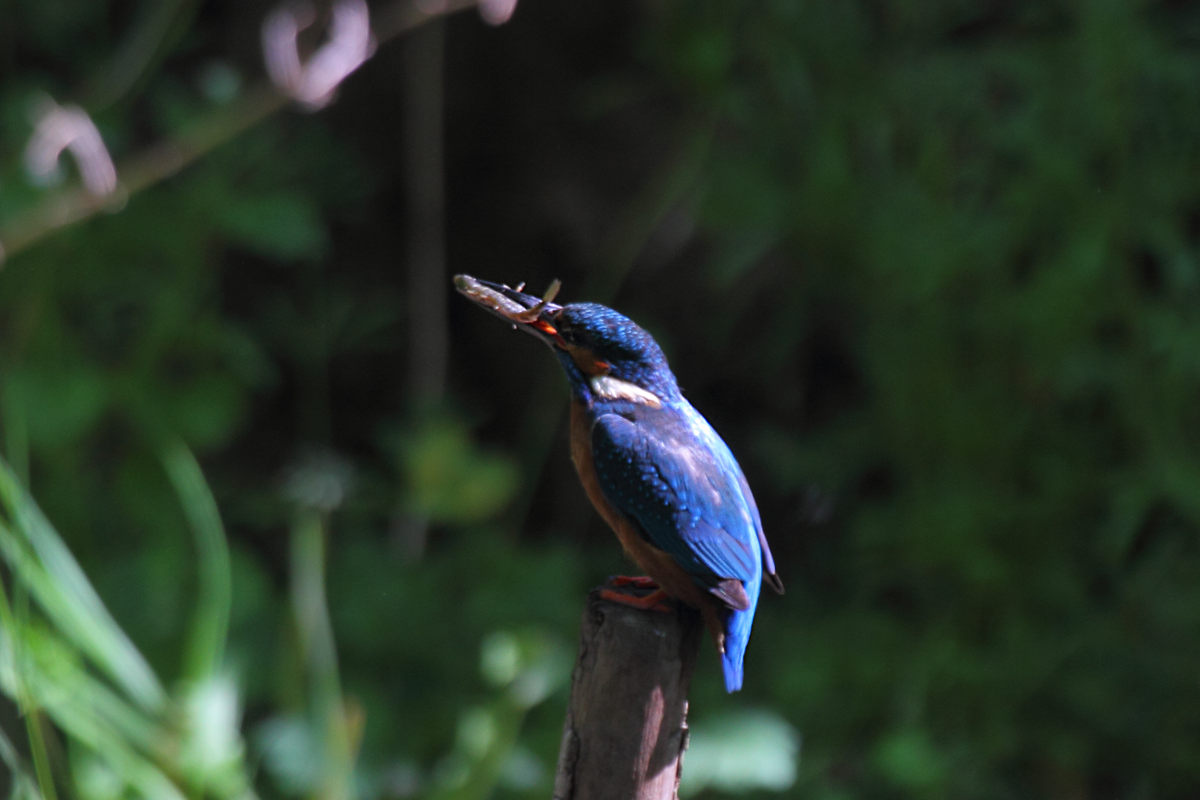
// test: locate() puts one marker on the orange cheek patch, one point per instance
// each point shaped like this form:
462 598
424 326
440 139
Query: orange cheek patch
588 363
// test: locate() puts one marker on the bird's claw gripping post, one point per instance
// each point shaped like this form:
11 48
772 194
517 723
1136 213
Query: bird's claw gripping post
635 581
617 591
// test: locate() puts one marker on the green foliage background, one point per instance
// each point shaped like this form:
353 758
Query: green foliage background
930 268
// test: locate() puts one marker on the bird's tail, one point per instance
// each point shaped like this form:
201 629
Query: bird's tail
737 636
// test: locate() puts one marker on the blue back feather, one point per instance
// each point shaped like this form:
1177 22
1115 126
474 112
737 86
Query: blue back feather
670 472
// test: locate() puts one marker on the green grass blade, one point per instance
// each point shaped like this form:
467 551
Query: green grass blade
22 784
45 567
215 594
27 708
85 710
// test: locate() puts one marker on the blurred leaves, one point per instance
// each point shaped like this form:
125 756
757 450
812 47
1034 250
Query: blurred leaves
910 761
69 400
212 751
740 752
121 723
963 233
447 478
932 269
284 226
529 666
48 571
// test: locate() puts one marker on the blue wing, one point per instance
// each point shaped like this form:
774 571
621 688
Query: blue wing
680 483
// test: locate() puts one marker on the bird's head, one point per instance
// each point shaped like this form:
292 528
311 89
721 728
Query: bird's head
606 355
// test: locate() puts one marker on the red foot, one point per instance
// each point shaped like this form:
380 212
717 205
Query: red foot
636 581
658 600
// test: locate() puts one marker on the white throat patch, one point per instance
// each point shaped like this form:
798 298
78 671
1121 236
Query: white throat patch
611 388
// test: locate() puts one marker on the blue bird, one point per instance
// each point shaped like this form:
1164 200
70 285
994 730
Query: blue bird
655 470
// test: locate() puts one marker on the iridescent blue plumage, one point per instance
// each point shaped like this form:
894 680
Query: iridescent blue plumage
668 470
657 471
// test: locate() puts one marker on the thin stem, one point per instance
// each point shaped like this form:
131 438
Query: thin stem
319 652
211 624
70 206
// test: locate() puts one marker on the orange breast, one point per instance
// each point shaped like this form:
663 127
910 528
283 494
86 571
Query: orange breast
656 563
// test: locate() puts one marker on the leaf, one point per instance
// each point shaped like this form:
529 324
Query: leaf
205 408
283 225
740 752
448 479
911 760
59 404
43 564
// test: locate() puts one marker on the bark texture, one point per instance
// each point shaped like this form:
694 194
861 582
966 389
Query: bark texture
626 726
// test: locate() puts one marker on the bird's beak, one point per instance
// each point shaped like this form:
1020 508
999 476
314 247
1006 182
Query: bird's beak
531 314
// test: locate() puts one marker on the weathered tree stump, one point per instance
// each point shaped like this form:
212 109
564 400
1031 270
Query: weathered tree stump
626 726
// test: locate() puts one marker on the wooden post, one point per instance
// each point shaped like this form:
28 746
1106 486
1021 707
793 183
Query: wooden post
626 726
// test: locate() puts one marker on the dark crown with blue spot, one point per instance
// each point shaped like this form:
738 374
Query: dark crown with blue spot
612 337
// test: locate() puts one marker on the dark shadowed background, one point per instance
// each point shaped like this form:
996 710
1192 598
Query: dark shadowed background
930 268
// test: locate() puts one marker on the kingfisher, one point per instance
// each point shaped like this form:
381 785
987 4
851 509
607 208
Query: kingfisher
652 466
